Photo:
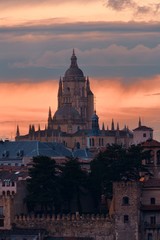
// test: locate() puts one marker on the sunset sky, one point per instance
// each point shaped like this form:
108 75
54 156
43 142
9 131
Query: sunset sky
117 43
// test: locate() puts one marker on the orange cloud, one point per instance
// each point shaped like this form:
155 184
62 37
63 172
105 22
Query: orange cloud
24 104
125 103
28 103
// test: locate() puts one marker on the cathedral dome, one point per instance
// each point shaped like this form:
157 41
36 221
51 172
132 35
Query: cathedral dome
67 112
74 72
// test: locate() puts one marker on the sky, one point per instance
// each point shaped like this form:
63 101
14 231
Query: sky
117 43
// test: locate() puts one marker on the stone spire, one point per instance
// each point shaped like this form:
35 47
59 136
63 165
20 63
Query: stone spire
60 93
139 122
89 92
17 132
112 125
87 84
33 128
60 88
49 114
103 127
74 60
49 118
95 124
117 126
30 129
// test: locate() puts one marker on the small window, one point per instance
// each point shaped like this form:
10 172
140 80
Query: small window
144 135
125 201
153 201
125 218
78 145
153 220
13 184
1 222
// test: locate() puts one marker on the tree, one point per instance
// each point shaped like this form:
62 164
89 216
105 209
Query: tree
116 163
74 182
43 185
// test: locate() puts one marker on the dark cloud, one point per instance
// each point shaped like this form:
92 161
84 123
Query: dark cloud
120 4
37 52
49 26
143 9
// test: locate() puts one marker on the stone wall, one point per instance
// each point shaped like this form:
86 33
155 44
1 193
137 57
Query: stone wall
96 227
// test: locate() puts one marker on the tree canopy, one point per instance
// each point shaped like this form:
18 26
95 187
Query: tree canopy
116 163
42 186
51 187
74 181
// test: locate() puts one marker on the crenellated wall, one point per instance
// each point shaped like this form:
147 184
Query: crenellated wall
96 227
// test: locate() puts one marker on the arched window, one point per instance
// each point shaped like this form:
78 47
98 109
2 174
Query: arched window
125 218
153 200
125 201
8 192
90 142
150 236
78 145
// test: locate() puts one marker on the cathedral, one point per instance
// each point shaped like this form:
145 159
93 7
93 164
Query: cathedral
75 123
75 101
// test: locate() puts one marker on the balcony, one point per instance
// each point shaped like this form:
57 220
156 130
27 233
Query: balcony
150 207
151 225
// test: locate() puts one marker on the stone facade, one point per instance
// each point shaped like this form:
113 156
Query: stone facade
6 212
126 210
86 226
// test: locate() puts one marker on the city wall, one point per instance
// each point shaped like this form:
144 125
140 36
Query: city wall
96 227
